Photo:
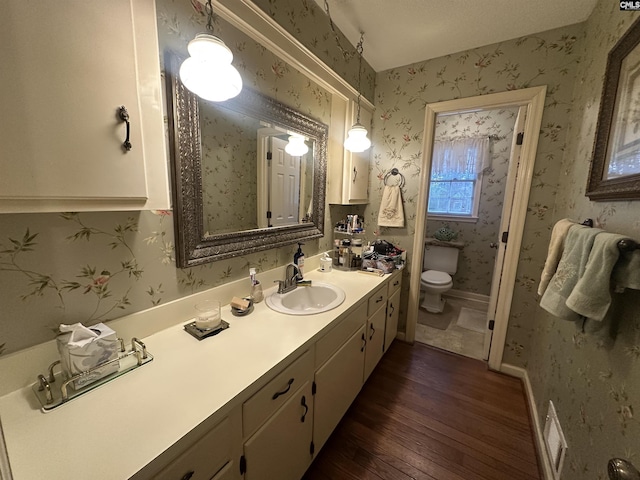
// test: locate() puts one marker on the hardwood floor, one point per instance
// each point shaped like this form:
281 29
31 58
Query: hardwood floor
428 414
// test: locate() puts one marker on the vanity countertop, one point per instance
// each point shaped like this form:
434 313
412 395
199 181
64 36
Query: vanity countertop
115 430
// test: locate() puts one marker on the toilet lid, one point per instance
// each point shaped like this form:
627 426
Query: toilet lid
435 277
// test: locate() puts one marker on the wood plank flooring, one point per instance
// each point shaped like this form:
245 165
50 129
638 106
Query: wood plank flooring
428 414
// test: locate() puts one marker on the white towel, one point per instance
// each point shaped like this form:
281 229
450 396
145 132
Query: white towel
391 211
591 296
626 273
556 247
571 267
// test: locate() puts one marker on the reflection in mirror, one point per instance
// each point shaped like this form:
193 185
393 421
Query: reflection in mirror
237 185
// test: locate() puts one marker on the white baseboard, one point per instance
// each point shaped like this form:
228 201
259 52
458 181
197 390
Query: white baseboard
521 373
478 297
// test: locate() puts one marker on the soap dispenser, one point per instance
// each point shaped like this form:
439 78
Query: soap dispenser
298 259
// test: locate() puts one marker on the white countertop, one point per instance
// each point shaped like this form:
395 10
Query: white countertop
115 430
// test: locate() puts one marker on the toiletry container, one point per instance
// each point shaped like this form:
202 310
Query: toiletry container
440 262
298 259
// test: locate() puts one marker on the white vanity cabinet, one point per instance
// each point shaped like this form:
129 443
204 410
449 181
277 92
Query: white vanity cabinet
393 308
377 311
213 456
282 412
338 378
70 67
348 175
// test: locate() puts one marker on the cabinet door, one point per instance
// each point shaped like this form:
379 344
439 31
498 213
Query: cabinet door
338 382
393 312
375 340
280 449
71 65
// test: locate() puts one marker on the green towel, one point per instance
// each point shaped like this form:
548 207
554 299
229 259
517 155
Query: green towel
591 296
570 269
626 273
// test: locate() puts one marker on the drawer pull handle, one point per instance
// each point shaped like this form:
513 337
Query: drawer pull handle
123 115
188 475
379 299
277 394
396 283
373 330
364 342
306 408
392 308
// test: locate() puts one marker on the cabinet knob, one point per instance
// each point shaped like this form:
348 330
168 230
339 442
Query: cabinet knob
379 299
188 475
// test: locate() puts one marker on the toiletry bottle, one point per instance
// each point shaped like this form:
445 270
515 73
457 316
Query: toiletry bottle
298 259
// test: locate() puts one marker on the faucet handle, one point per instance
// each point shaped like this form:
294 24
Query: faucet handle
280 285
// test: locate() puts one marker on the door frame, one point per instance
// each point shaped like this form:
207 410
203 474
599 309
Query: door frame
533 98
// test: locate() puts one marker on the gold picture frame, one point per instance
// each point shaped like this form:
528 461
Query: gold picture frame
615 167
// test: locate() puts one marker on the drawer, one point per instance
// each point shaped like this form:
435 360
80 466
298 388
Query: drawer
394 283
332 341
207 457
276 393
377 300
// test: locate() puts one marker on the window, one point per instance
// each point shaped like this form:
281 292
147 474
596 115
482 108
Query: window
456 177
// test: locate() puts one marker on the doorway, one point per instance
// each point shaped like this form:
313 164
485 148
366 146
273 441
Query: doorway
469 181
520 175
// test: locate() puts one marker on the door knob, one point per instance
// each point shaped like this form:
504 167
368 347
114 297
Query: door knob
493 245
621 469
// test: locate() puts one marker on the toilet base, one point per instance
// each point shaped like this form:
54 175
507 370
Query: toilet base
433 303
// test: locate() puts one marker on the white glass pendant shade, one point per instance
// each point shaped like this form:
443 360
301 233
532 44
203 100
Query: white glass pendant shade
357 140
208 71
296 146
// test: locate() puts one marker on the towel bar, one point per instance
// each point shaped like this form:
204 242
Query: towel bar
624 245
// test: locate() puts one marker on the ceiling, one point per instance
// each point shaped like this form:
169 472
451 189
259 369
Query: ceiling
400 32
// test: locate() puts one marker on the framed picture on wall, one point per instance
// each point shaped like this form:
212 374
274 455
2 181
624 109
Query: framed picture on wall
615 167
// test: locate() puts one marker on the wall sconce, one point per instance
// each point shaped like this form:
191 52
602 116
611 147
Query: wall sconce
208 71
296 146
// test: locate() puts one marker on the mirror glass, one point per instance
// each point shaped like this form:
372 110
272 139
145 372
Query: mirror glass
237 186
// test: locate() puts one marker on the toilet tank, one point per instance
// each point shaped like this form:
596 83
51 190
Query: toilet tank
441 258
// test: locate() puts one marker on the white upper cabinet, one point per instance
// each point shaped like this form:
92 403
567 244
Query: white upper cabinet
348 174
67 67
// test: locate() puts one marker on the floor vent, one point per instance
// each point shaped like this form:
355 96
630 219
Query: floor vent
554 441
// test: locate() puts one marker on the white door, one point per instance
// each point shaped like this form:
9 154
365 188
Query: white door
512 175
285 186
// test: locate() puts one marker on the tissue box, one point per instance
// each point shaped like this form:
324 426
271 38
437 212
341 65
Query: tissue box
80 358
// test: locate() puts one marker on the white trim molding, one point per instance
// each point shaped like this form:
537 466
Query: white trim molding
533 98
538 433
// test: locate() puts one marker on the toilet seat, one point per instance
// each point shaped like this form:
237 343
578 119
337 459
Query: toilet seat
434 277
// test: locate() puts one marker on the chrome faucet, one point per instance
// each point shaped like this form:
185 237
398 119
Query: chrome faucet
290 281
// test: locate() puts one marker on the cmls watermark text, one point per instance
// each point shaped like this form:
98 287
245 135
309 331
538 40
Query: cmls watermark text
630 5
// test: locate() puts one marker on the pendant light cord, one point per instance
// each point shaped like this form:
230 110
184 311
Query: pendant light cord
209 9
359 49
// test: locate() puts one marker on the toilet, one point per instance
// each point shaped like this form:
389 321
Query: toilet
440 262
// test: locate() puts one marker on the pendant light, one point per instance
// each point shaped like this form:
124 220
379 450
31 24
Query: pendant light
208 71
296 146
357 140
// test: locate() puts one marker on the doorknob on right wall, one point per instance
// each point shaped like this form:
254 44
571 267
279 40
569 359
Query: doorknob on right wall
621 469
493 245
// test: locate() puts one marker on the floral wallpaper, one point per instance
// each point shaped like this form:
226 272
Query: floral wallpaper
229 169
91 267
548 58
590 374
475 263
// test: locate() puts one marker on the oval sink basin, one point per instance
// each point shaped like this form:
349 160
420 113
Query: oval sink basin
317 298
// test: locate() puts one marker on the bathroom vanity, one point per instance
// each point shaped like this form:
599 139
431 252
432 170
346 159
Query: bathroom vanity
258 400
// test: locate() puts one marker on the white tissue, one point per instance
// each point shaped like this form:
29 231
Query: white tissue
80 335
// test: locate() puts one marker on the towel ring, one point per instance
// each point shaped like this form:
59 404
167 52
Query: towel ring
394 172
